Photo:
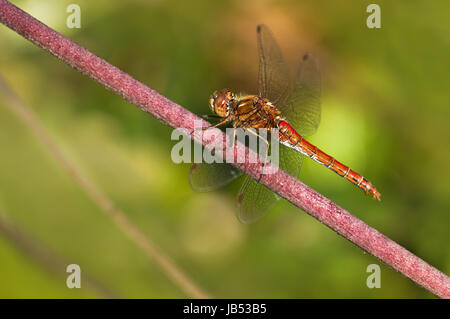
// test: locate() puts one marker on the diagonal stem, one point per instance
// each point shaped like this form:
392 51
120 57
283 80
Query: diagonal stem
98 196
280 182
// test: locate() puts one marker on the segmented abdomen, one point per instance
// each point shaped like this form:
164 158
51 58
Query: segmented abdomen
290 138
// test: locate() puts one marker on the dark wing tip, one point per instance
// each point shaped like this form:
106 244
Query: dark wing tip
260 27
309 56
194 167
239 199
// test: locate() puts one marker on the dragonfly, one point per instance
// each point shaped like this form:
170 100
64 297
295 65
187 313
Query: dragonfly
293 106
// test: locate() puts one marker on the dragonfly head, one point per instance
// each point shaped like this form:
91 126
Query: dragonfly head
221 102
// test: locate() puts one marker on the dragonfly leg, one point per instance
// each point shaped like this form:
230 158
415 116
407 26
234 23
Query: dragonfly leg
266 155
224 121
264 160
209 116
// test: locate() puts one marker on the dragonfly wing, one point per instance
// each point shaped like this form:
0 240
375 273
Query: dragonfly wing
291 161
302 108
299 102
255 199
204 177
273 77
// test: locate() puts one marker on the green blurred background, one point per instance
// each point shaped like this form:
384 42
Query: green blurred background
385 113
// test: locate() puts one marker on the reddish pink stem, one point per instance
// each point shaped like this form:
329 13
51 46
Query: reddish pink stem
176 116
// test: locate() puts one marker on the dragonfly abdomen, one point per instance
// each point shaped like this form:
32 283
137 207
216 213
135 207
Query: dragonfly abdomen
290 138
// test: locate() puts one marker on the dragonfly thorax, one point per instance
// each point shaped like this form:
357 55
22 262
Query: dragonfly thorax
221 103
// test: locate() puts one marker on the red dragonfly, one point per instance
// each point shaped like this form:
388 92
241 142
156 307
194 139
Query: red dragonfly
292 107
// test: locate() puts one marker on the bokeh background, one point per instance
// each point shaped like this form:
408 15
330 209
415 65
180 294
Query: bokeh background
386 113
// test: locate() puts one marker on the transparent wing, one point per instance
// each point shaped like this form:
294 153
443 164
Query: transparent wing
302 107
255 199
273 77
204 177
299 102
